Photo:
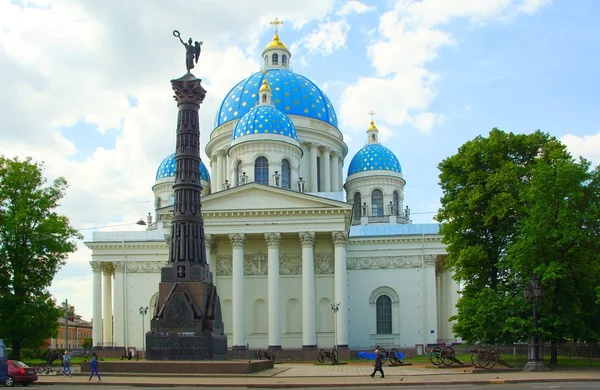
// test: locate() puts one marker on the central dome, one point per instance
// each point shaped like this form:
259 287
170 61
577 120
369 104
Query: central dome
293 94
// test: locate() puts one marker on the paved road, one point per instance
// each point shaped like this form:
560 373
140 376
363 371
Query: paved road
526 386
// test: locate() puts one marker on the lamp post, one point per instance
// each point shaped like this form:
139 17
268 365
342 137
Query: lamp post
143 312
300 183
276 177
533 292
243 178
226 185
335 307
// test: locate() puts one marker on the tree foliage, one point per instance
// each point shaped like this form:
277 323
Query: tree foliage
502 195
34 243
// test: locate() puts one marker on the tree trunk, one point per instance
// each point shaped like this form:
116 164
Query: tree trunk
554 355
16 352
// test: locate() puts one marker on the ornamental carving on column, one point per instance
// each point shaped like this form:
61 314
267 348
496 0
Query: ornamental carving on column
339 238
108 268
119 266
96 266
255 264
290 264
325 150
237 240
323 263
145 267
307 239
273 240
224 265
210 242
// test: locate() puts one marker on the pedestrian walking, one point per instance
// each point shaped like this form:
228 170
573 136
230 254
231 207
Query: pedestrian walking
378 365
94 365
66 364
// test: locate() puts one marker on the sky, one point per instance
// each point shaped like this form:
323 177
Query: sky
85 86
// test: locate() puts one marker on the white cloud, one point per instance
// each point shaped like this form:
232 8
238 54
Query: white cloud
354 7
587 146
408 38
329 36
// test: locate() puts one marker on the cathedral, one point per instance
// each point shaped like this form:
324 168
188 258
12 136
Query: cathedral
301 258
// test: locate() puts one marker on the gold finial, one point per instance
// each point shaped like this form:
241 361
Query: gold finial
264 86
372 114
276 23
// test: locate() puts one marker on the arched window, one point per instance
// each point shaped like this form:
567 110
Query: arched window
373 137
286 171
356 214
264 98
171 199
377 203
383 309
274 59
238 173
396 203
283 59
261 171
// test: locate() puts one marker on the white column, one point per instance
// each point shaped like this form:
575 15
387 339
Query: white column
119 301
326 163
226 172
237 280
107 320
312 180
274 300
219 183
224 169
210 243
335 173
340 167
213 174
96 303
309 325
341 286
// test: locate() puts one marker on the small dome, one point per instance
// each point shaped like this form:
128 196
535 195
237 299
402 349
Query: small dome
293 94
374 157
265 119
167 169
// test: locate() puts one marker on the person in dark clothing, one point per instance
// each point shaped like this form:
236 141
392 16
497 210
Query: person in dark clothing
378 365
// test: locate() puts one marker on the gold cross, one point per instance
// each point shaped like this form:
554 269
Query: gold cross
276 23
372 115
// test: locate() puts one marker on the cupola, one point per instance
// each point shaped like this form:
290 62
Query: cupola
276 55
265 94
372 132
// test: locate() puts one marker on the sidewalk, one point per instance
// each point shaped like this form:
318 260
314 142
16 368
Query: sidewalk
309 375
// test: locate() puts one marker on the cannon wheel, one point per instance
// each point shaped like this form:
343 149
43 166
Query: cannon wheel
475 358
395 356
448 356
260 354
334 356
384 355
492 357
435 356
321 356
272 356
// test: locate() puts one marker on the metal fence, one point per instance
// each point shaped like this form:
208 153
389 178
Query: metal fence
567 354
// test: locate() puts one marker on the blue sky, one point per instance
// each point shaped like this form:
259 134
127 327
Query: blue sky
86 86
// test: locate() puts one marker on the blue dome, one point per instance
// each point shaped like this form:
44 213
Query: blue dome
264 119
374 157
167 169
292 94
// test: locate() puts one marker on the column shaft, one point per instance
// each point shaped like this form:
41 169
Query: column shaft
340 167
312 182
107 317
219 183
335 179
238 307
274 294
213 174
309 328
341 287
97 303
119 314
326 170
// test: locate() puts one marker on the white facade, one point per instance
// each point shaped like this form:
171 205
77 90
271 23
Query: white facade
284 249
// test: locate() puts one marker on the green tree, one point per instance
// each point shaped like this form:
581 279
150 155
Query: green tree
481 206
34 243
87 343
559 242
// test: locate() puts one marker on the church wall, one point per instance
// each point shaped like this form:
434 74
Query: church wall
413 315
140 289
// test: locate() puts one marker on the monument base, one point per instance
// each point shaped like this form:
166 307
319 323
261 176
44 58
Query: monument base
533 366
181 367
182 346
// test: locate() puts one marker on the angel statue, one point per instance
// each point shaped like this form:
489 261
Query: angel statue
192 51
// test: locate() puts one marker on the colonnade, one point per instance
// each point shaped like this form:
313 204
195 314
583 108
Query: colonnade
102 273
321 162
309 326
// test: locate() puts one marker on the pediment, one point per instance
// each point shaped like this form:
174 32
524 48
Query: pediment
251 197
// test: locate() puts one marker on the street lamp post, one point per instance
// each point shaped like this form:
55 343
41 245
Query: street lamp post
143 312
335 307
533 292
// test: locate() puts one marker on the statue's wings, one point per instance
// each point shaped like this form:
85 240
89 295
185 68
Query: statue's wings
197 48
